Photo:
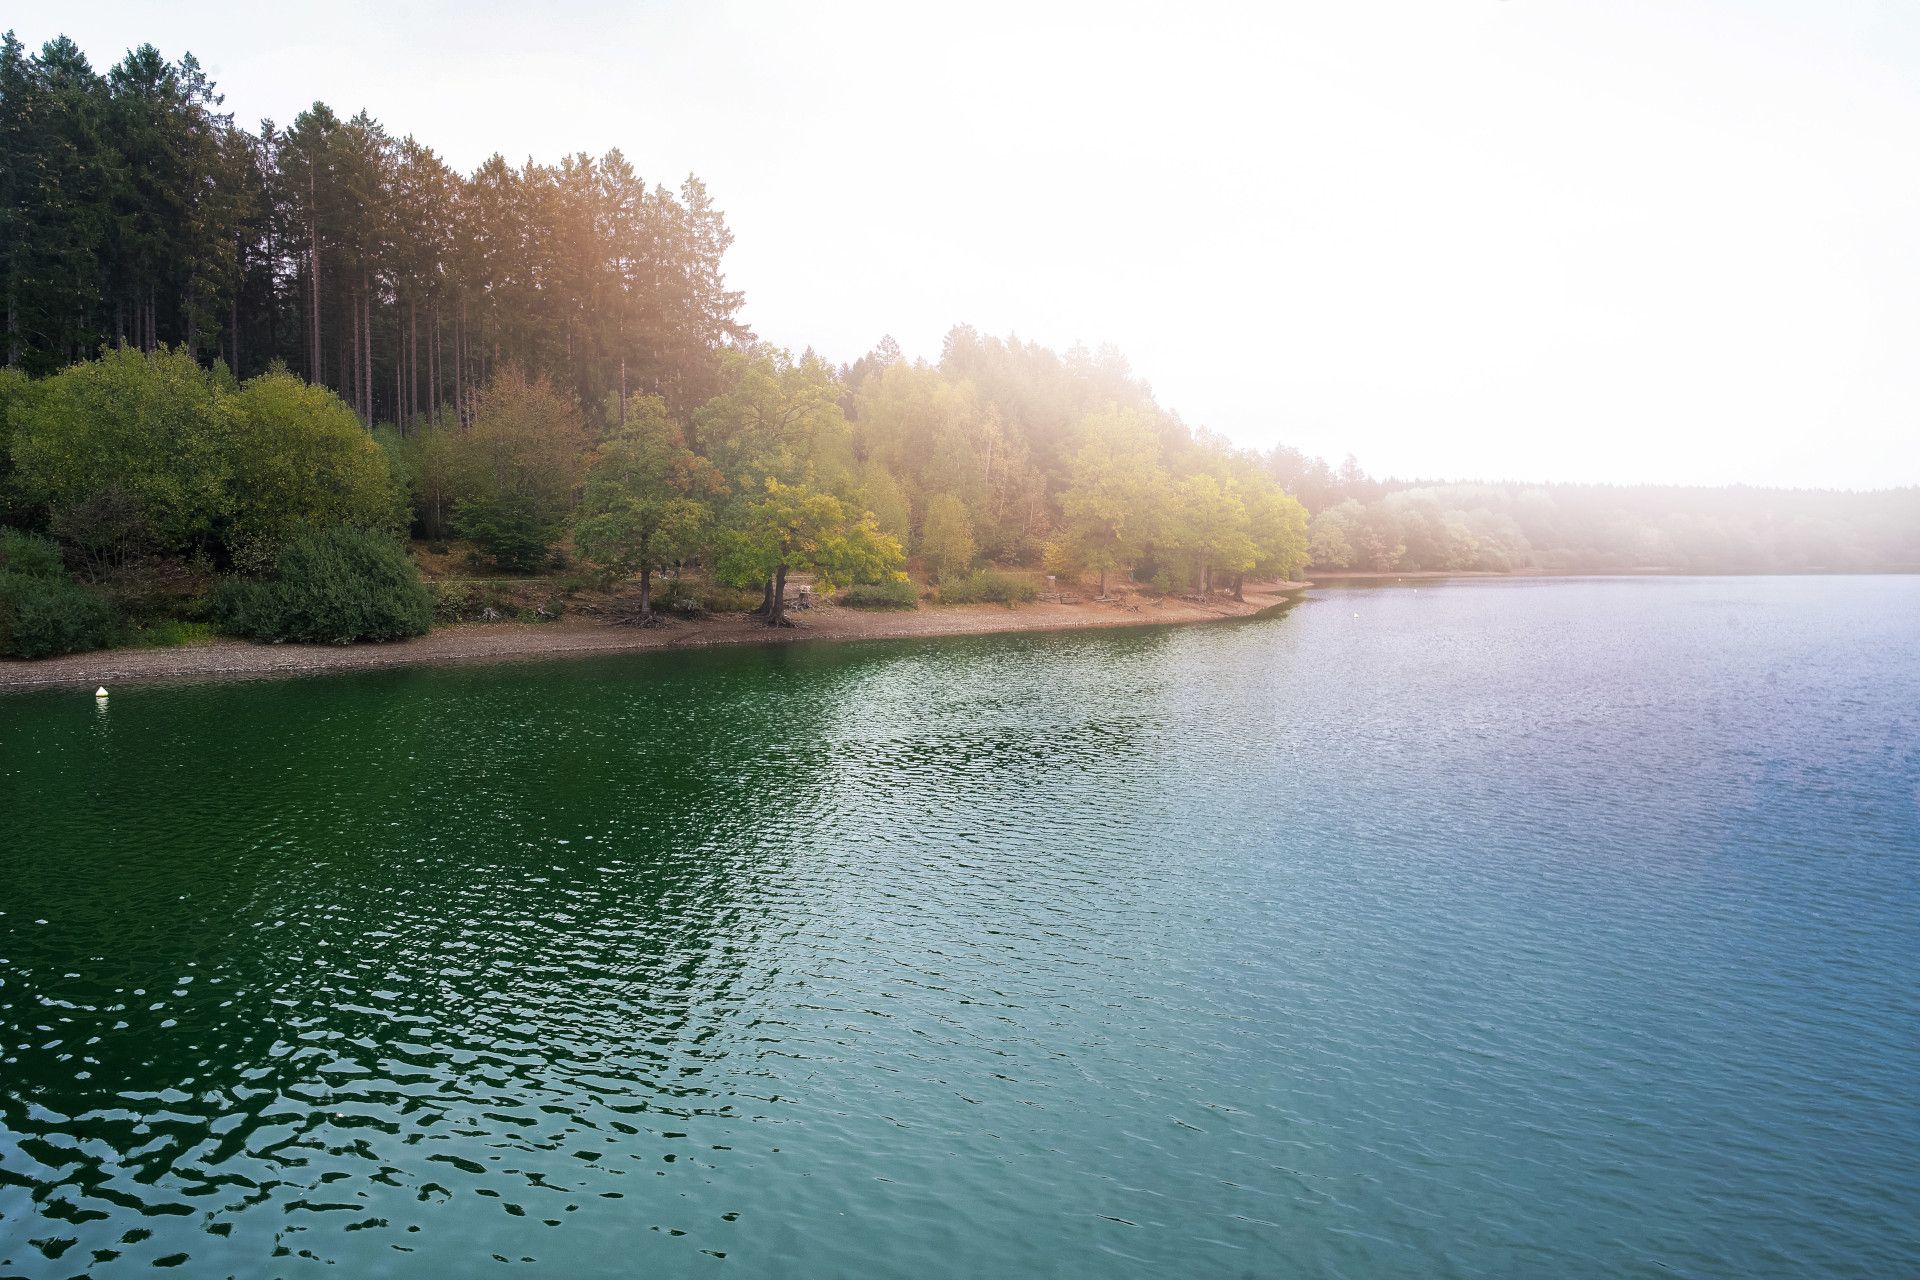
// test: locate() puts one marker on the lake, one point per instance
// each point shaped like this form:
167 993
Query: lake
1483 928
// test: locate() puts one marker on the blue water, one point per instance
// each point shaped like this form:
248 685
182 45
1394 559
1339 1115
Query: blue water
1488 928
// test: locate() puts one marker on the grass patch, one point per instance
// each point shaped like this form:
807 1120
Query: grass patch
989 586
881 595
170 633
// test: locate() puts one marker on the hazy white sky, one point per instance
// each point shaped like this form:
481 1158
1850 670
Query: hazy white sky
1536 239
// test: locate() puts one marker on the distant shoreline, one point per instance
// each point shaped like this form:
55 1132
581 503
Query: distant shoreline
584 637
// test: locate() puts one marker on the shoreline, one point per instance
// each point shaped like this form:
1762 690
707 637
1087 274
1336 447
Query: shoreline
472 642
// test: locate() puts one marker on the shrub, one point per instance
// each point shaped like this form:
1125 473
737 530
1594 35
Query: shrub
44 615
898 594
150 427
696 596
989 586
330 586
25 553
171 633
300 459
513 532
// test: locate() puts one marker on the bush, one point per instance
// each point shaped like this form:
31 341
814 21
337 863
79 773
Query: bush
898 594
44 615
480 601
171 633
24 553
694 596
330 586
989 586
513 532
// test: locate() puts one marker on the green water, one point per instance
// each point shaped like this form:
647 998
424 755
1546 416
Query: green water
1492 929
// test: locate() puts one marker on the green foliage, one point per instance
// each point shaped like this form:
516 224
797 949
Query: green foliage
881 494
506 483
25 553
1118 495
1208 525
330 586
777 418
16 390
301 459
793 527
990 586
946 538
513 532
526 441
149 427
42 615
170 633
134 452
646 497
1277 525
438 471
896 594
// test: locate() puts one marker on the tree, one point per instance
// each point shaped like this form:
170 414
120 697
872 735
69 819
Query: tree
646 504
299 458
1210 524
880 493
796 528
1116 494
1277 527
525 452
946 537
149 428
777 418
1330 536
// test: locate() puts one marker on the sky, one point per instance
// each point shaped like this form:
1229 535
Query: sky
1597 240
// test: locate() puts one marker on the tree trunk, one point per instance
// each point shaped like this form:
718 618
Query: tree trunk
313 285
777 615
646 594
460 365
1103 582
766 603
366 347
350 356
1240 588
413 361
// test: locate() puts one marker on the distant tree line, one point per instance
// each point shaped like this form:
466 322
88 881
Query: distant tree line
1368 525
134 212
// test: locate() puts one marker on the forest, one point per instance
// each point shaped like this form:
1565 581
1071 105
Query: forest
253 377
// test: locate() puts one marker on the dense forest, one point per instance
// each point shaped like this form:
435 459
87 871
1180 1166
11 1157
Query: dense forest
240 364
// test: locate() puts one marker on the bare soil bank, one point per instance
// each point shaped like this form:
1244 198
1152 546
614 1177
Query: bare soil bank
507 641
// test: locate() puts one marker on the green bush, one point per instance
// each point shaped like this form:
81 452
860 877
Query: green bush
693 596
44 615
24 553
513 532
898 594
330 586
989 586
170 633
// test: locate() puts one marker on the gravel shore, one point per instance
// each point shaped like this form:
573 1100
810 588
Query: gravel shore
508 641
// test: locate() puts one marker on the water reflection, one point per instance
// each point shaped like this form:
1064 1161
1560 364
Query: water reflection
1291 945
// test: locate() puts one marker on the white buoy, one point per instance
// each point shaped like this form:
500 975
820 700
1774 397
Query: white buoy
101 692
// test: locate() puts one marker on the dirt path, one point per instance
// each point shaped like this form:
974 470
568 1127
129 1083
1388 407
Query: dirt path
507 641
